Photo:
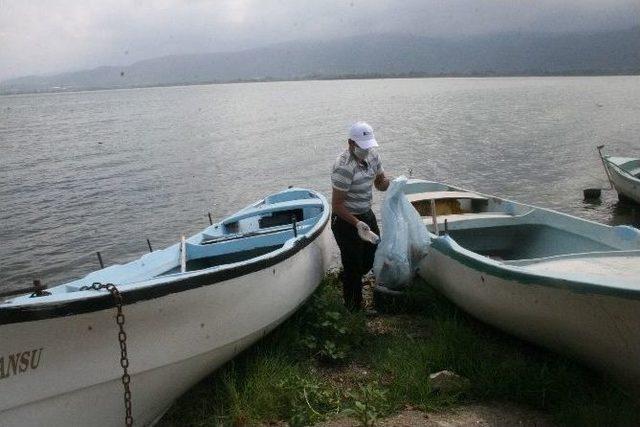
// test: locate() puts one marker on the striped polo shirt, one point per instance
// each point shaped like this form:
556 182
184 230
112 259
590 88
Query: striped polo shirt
356 179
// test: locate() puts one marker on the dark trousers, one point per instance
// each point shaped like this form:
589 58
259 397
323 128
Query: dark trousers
356 254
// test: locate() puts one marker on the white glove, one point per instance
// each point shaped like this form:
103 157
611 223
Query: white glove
366 234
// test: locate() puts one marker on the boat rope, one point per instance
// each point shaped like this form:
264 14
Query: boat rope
37 290
604 165
122 339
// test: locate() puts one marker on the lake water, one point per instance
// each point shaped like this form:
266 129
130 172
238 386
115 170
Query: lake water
104 171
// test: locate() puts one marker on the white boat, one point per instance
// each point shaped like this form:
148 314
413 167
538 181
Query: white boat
624 174
562 282
188 309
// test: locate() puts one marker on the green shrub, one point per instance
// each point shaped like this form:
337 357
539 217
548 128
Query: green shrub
330 331
368 402
280 377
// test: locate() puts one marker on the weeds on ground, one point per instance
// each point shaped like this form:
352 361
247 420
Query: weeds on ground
330 330
369 401
310 401
278 379
499 367
284 377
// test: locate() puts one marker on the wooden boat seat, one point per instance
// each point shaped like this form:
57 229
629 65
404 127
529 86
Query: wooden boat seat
440 195
272 208
447 202
209 239
466 217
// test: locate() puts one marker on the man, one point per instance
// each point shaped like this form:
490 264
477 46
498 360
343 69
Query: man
353 222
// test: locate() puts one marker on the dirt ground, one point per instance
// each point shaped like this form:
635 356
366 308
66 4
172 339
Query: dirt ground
487 414
494 414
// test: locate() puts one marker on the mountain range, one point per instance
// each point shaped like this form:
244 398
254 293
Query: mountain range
375 55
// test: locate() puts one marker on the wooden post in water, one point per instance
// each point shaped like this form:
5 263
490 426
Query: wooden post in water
606 170
100 260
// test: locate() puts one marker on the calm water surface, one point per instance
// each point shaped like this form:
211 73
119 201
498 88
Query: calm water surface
103 171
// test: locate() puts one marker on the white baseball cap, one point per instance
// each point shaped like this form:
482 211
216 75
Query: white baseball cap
362 134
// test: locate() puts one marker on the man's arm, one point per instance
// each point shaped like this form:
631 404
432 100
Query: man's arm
381 182
338 207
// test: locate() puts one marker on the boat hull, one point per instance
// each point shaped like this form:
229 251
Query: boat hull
173 342
627 186
599 329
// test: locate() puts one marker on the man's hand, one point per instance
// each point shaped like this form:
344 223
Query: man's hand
381 182
362 227
365 233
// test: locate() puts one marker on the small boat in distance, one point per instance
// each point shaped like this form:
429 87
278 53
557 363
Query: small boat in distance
189 308
624 175
565 283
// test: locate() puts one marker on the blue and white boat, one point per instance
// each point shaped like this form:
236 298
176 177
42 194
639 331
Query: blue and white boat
188 309
566 283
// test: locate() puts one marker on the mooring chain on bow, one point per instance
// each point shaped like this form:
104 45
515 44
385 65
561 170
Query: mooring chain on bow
122 339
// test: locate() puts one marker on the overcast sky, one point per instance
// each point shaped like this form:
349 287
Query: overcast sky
48 36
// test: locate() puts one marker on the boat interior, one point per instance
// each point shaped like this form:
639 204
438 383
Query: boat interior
258 230
524 241
627 164
510 232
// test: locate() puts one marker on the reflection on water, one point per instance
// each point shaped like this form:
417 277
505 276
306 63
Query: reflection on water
612 210
625 212
104 171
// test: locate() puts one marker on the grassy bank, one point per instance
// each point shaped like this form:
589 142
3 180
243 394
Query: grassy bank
326 361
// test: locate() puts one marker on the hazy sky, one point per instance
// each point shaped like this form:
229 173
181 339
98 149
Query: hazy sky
38 36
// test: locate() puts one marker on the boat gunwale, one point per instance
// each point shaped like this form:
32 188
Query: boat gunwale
450 248
532 209
621 172
175 283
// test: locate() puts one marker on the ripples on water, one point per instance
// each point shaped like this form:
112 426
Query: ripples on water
82 172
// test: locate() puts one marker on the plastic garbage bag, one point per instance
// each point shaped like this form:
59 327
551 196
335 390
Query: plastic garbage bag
404 241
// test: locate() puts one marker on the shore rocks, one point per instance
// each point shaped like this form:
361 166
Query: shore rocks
447 382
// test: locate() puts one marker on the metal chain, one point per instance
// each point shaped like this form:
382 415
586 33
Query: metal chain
122 339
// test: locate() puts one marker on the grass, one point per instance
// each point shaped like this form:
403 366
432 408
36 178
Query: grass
326 361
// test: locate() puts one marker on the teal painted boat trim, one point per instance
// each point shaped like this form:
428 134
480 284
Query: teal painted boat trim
448 247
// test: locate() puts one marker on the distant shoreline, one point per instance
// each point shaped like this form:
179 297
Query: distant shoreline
366 76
